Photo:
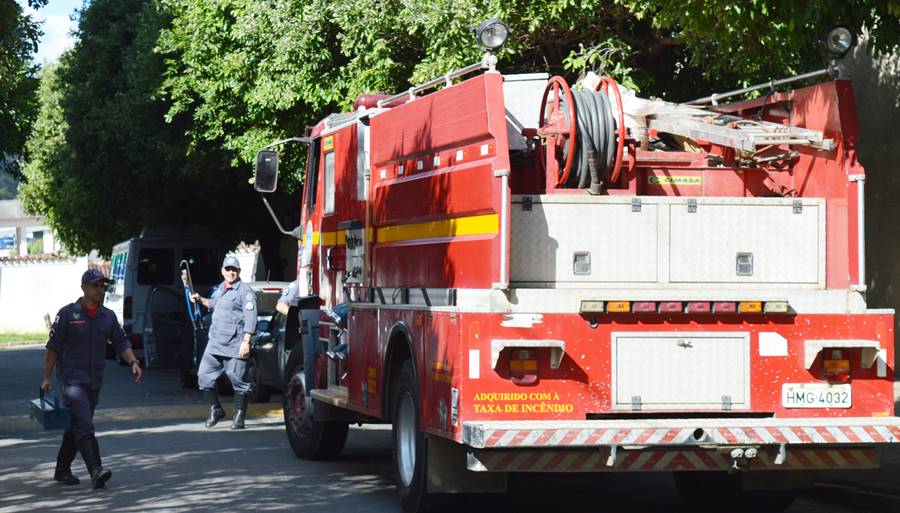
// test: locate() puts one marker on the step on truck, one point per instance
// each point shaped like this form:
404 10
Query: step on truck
540 277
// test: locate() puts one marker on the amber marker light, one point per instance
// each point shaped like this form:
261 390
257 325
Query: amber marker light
618 306
750 307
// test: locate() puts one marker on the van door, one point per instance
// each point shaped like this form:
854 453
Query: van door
167 336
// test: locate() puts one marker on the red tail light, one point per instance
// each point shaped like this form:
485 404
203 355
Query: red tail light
523 366
137 340
126 308
836 368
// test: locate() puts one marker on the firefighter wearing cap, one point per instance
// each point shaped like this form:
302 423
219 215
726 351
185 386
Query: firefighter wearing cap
233 306
77 348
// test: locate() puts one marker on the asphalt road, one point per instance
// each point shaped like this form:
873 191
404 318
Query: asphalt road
164 460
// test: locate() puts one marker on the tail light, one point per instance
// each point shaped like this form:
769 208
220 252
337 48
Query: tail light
523 366
137 340
126 308
643 307
836 368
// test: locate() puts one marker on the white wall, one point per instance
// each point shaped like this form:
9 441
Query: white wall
28 291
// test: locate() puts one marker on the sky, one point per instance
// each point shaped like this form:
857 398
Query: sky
56 27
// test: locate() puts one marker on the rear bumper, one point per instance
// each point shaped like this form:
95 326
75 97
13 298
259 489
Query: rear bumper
699 432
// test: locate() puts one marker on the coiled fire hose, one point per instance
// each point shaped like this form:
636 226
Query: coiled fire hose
595 145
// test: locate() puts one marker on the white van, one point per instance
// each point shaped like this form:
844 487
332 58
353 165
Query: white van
148 295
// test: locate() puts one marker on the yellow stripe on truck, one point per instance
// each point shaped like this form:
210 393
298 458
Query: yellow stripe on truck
470 225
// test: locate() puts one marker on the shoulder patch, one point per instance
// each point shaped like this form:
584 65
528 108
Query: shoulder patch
249 305
249 296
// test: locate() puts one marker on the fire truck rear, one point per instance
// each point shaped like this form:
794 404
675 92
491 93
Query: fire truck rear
544 278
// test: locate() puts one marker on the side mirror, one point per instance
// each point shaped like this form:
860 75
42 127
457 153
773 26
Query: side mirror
266 172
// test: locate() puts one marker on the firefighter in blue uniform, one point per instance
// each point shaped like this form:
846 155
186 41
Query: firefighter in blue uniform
287 297
233 306
77 348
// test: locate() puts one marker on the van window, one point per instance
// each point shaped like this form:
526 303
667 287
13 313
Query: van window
204 266
156 266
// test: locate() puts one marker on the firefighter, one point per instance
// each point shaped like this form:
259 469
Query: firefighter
76 346
233 306
287 297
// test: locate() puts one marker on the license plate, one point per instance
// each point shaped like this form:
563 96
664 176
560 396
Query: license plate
815 395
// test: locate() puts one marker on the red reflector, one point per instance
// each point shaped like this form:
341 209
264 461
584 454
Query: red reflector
523 367
126 308
719 307
698 307
271 289
670 307
137 341
643 307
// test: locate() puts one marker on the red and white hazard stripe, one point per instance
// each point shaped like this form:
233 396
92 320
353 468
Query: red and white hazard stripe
499 434
587 460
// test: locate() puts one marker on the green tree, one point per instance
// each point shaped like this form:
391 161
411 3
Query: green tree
162 104
105 163
246 72
19 36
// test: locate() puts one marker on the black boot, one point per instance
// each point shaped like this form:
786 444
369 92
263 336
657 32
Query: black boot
67 452
89 449
240 409
216 412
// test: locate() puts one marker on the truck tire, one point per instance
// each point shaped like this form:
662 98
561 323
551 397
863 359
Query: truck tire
411 449
310 439
708 491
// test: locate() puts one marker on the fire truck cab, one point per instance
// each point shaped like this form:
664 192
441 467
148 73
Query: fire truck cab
544 278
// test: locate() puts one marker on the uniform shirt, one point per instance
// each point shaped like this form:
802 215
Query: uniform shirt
81 343
290 293
233 314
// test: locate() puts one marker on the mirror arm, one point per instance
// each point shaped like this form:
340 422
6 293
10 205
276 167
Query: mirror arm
295 233
305 140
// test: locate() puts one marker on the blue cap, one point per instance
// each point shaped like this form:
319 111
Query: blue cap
231 261
93 276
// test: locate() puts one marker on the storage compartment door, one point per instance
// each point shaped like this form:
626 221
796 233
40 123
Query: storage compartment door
773 242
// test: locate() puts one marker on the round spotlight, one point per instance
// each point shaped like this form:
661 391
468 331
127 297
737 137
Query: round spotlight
839 41
492 33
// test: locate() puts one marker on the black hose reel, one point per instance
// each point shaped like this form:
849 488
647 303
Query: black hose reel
589 150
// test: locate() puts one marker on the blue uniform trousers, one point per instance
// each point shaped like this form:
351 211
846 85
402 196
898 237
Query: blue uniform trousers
82 401
212 366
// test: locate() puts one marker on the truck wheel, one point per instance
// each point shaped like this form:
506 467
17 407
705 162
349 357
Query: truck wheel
411 449
259 393
310 439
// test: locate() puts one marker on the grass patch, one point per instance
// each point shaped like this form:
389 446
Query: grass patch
21 339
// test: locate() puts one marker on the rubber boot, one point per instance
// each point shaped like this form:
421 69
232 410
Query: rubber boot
89 450
67 452
240 409
216 412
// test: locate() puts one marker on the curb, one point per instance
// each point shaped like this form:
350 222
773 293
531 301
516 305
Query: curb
24 423
855 497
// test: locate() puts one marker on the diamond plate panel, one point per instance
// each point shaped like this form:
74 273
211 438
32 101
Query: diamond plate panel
785 245
681 370
623 244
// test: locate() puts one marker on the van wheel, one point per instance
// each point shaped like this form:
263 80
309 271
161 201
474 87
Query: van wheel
411 449
259 393
309 438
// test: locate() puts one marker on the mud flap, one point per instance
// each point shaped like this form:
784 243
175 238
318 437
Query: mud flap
447 472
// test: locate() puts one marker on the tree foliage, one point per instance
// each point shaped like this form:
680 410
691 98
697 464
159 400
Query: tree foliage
19 36
105 163
160 107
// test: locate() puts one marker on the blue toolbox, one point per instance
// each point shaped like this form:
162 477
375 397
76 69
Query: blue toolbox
49 412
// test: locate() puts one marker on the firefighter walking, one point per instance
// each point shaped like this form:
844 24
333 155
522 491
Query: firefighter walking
77 348
233 306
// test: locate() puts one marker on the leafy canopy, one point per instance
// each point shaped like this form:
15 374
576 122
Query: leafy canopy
159 109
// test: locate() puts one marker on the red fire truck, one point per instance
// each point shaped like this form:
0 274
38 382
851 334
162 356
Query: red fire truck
544 278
